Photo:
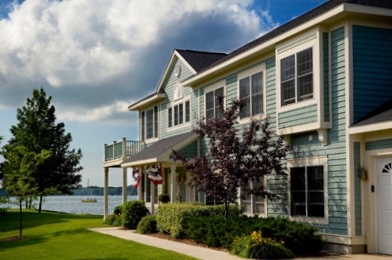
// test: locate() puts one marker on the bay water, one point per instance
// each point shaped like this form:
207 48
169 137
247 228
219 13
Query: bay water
74 204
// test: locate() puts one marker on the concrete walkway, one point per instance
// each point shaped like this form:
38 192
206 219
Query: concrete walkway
206 253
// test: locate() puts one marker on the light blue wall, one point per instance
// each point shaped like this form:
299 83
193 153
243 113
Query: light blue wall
357 189
372 62
299 116
326 76
377 145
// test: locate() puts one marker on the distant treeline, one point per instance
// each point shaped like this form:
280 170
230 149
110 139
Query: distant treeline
95 191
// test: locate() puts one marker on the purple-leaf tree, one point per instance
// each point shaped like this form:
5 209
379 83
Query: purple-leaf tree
237 156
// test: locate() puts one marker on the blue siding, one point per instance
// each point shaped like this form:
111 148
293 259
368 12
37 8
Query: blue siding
190 150
372 62
300 116
326 76
357 189
336 148
380 144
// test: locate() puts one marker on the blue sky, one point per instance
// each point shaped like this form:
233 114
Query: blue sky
97 57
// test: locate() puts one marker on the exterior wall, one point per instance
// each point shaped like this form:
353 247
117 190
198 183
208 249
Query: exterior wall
372 68
326 76
169 89
357 188
300 116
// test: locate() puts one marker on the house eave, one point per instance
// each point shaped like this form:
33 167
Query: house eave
146 102
370 128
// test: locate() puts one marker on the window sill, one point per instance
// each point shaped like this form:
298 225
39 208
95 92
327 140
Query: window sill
297 105
310 220
249 119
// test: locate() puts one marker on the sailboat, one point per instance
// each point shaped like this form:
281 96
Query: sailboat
89 199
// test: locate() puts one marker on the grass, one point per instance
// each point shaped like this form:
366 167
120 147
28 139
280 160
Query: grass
54 235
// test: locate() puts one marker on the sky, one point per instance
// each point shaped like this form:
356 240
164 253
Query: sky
96 57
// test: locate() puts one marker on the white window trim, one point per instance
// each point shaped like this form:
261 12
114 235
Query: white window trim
310 40
247 73
180 89
310 161
154 139
182 100
213 87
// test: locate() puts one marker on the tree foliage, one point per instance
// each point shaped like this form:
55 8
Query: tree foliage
237 156
37 130
18 169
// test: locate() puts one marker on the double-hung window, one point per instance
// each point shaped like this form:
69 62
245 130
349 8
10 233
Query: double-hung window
307 192
251 84
296 73
149 127
178 114
254 204
213 109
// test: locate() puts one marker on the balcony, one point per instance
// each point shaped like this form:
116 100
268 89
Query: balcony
118 151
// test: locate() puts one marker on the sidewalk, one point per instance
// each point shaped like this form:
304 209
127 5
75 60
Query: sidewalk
206 253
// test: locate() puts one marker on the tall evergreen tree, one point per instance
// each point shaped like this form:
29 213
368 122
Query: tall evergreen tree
237 156
37 130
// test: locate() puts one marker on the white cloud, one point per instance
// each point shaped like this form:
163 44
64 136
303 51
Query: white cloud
77 48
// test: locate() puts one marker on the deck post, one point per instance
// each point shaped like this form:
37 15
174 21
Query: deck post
173 183
105 192
124 144
124 185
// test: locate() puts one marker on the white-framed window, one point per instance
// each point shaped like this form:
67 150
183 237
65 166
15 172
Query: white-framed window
213 109
251 88
178 114
308 189
211 105
254 205
150 123
296 77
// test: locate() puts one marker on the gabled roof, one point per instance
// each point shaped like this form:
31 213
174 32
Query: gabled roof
154 97
160 150
380 115
200 60
295 23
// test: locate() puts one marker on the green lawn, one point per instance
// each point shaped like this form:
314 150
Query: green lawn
53 235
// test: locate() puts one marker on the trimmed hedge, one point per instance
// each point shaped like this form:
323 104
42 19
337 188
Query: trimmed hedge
147 225
173 218
300 238
132 212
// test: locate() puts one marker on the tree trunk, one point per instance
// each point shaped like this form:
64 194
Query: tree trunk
20 217
40 204
226 209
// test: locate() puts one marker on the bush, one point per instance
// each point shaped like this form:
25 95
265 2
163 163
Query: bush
117 210
164 198
216 232
113 220
132 212
173 218
257 247
147 225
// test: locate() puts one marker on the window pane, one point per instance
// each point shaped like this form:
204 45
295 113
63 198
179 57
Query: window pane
170 118
297 178
257 94
316 211
315 178
156 122
143 125
176 115
305 87
287 67
149 124
244 88
298 191
257 83
245 111
181 113
218 113
288 92
304 62
187 111
210 105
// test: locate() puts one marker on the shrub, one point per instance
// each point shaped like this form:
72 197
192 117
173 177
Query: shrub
117 210
147 225
132 212
163 198
113 220
257 247
173 218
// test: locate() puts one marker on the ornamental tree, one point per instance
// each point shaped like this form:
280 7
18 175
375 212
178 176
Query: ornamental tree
17 171
37 130
237 156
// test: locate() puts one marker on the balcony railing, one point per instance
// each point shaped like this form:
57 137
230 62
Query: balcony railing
123 149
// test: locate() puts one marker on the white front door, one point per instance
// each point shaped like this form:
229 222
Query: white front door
384 205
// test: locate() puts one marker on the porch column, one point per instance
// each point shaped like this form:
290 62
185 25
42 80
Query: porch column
124 185
173 183
105 192
153 196
139 188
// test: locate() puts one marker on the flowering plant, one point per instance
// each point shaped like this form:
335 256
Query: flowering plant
257 247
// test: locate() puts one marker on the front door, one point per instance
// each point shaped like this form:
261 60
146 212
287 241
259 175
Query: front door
384 205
